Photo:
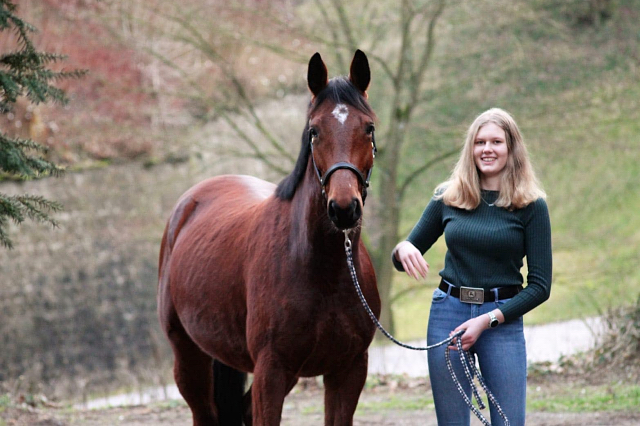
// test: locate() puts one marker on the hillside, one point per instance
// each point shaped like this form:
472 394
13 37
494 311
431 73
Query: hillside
574 90
86 306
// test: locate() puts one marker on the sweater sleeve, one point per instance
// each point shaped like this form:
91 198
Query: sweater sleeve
427 231
538 253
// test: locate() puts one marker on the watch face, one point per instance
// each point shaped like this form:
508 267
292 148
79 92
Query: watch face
493 323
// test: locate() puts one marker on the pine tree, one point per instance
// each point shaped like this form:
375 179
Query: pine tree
25 72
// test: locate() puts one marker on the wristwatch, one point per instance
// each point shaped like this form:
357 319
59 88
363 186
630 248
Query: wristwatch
493 321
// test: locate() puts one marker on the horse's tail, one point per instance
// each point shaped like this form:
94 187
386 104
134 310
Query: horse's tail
228 392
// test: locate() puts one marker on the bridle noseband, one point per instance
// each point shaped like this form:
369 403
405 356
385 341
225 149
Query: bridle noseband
364 181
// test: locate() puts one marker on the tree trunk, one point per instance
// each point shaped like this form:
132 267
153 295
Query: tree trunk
388 216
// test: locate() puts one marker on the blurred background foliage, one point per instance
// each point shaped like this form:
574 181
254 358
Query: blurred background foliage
176 93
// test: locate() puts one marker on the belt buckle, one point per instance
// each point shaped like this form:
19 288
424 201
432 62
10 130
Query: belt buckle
472 295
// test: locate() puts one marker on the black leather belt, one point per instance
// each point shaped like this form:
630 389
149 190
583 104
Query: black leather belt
479 295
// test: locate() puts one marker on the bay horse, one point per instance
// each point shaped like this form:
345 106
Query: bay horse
253 278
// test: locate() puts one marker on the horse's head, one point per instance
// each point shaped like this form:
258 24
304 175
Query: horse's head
341 137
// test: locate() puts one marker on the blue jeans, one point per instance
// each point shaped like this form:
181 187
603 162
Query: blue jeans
502 361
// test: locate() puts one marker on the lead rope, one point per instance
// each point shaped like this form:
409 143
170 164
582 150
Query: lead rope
470 369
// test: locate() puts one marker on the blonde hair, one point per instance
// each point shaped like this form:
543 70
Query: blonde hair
519 186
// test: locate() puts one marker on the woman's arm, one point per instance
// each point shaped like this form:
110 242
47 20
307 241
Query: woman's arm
407 255
537 241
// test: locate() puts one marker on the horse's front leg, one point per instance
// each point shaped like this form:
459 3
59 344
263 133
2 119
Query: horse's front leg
342 391
271 383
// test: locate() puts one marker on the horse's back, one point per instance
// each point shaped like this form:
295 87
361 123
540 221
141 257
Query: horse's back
219 199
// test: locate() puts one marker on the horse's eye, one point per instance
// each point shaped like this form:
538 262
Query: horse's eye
370 129
313 133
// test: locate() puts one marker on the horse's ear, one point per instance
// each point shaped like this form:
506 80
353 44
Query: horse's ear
359 74
317 76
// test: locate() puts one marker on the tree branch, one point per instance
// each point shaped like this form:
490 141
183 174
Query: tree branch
338 5
258 153
418 74
407 290
203 46
424 167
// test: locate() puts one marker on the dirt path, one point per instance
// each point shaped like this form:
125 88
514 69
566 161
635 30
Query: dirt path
404 402
392 403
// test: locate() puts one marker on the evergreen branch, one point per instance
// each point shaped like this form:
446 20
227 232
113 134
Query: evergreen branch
15 160
20 207
25 72
36 207
4 237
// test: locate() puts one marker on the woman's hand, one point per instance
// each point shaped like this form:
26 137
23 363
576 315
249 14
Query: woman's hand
411 259
474 328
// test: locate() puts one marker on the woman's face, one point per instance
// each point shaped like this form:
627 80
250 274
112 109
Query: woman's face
490 152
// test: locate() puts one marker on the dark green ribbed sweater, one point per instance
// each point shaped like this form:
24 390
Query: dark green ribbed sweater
486 248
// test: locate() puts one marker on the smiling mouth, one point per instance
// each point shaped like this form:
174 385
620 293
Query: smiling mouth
488 160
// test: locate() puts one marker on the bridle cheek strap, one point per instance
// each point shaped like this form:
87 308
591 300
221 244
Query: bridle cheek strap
341 165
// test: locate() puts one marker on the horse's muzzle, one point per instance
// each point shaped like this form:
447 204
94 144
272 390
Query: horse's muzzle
344 217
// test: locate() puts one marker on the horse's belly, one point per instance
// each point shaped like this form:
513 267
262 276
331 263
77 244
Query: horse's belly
214 318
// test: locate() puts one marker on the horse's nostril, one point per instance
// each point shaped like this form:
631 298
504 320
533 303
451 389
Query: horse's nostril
332 211
346 217
356 210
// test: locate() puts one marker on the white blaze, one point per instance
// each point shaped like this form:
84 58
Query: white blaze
341 112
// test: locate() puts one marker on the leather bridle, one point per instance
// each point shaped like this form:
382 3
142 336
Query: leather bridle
364 181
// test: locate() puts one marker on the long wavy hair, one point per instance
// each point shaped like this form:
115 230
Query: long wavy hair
519 186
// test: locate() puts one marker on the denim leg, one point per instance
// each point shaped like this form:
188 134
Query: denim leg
502 359
446 314
503 364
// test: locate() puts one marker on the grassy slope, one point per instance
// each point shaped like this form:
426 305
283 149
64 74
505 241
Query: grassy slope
574 91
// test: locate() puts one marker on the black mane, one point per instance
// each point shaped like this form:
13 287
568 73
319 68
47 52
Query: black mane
339 90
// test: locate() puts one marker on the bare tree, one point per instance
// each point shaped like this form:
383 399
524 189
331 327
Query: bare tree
408 29
412 25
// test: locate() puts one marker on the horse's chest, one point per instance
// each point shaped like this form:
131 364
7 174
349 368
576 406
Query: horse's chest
336 337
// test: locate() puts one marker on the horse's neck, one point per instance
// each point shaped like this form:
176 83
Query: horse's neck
312 232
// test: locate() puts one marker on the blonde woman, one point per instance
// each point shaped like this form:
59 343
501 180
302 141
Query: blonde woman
493 214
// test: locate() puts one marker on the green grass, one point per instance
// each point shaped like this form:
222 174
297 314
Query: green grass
576 399
398 403
564 397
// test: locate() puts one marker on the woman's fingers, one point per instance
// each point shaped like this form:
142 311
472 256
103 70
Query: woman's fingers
420 265
408 267
416 267
412 261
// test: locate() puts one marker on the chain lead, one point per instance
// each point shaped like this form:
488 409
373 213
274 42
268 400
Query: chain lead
469 366
347 242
